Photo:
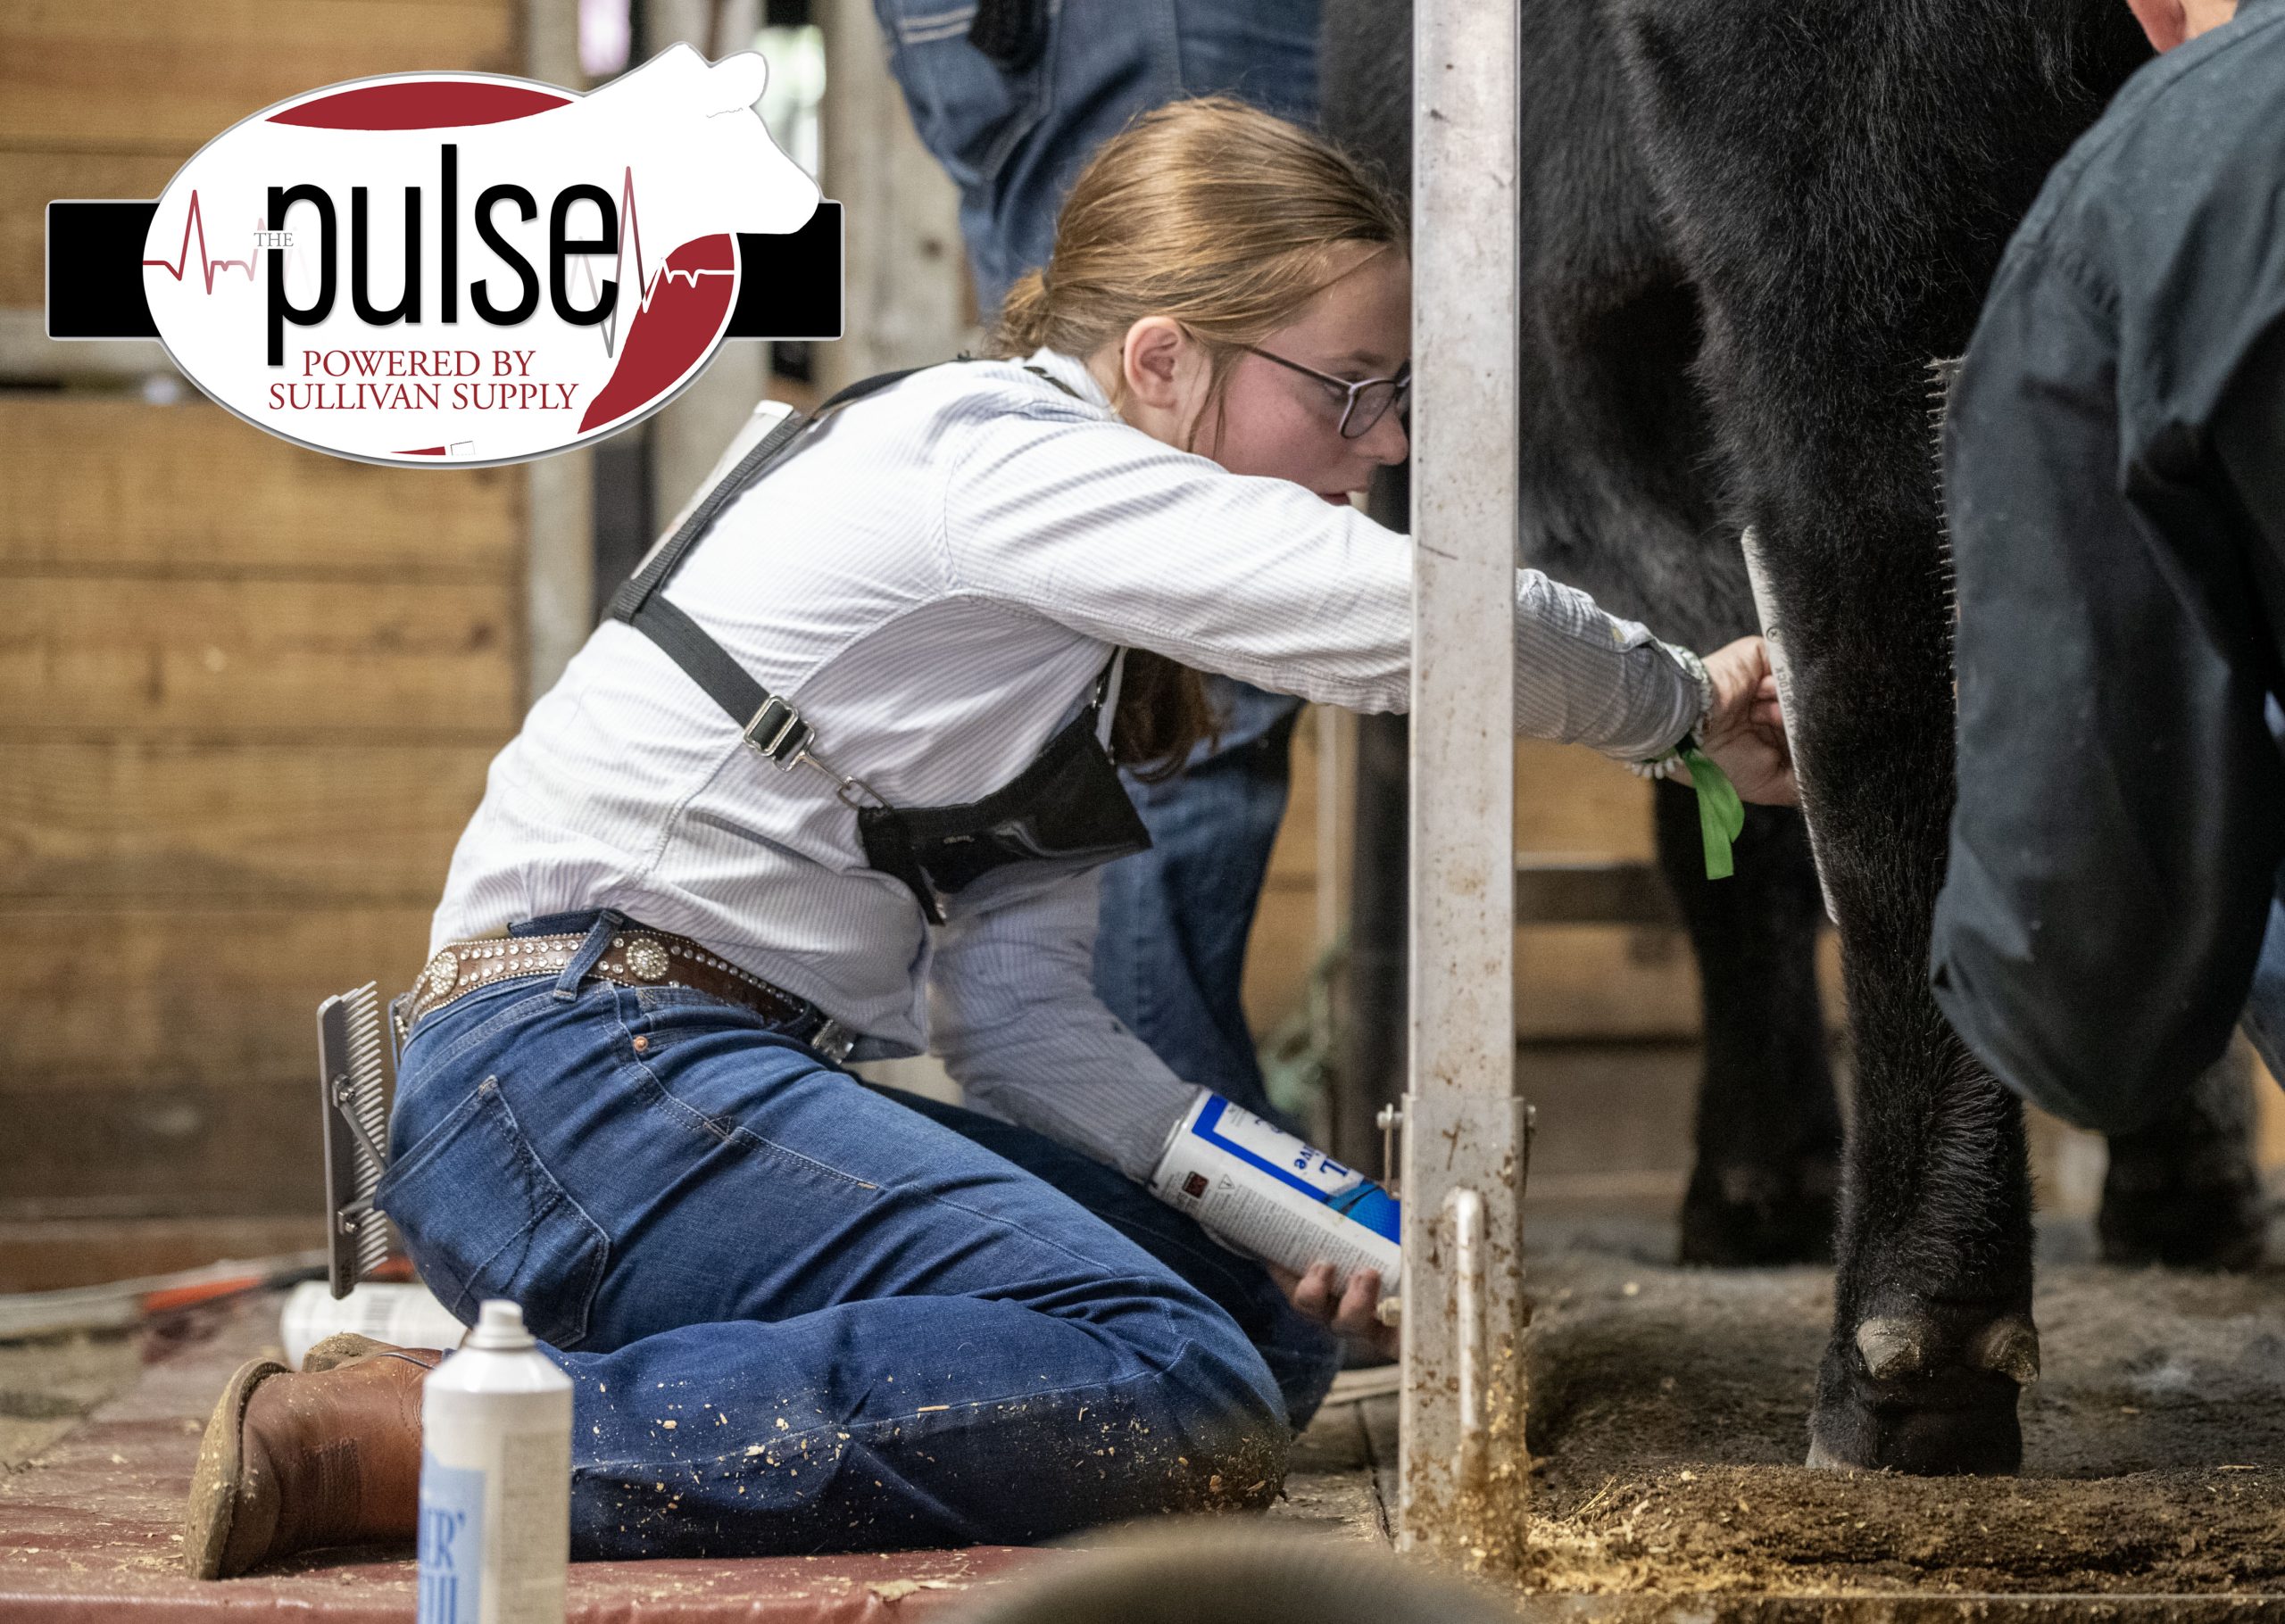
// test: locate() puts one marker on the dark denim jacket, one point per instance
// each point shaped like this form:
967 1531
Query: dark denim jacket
2116 486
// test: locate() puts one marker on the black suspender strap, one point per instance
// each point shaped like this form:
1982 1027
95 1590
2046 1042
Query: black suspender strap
773 447
771 727
665 559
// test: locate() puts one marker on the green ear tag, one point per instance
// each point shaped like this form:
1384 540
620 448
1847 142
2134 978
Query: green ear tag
1721 815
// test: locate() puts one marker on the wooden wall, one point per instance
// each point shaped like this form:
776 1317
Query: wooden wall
1589 983
247 691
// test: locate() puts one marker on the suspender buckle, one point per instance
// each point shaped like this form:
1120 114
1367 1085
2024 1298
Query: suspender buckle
777 733
834 1041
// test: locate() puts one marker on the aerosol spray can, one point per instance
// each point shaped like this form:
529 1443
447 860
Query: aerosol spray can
1258 1189
495 1479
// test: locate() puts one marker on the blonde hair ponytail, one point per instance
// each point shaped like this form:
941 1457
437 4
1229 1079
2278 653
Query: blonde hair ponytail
1023 319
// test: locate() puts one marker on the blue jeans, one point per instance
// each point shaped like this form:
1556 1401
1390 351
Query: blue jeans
1013 143
1171 949
801 1315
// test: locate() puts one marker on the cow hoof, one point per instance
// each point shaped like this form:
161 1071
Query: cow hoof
1756 1217
1931 1410
2174 1217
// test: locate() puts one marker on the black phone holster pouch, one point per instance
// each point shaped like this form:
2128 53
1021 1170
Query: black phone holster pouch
1067 809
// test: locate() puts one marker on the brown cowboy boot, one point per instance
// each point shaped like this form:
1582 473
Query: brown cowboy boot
291 1462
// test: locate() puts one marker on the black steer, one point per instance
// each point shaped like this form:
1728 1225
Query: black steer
1749 225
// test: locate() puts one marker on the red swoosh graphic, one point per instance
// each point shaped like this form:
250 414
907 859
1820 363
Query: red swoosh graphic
683 311
421 104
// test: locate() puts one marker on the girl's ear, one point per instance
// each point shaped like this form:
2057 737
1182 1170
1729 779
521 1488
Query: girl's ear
1152 360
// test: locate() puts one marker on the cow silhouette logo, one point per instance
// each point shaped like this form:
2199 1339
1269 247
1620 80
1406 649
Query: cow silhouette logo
461 267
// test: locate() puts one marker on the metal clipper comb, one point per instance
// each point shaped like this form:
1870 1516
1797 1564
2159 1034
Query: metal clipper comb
354 1110
1942 374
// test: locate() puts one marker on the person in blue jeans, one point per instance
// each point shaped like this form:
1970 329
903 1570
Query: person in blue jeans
838 781
1013 99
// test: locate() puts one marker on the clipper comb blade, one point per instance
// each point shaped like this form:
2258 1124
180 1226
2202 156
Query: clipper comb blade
1942 374
354 1110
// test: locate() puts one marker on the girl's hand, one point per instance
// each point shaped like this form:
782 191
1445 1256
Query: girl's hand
1353 1316
1745 732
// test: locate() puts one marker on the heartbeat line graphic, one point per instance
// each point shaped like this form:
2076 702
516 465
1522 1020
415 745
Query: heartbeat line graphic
631 233
194 222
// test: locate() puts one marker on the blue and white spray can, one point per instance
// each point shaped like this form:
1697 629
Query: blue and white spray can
1258 1189
495 1479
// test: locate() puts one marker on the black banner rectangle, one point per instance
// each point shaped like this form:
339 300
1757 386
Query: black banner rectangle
790 285
94 269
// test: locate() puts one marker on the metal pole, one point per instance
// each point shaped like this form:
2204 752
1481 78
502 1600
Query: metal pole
1464 1474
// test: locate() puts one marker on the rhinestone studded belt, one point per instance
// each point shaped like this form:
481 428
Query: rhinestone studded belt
636 958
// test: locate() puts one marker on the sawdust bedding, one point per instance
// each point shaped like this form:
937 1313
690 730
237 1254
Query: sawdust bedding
1668 1420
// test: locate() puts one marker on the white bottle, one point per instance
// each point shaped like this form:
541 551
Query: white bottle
495 1479
404 1316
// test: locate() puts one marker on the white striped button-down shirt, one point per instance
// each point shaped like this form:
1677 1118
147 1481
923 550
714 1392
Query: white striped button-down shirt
935 583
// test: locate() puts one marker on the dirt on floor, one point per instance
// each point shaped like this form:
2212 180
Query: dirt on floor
1668 1420
49 1385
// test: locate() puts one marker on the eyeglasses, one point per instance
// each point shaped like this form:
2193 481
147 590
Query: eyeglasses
1363 403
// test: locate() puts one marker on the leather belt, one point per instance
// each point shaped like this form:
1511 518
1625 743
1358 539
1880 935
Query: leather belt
636 958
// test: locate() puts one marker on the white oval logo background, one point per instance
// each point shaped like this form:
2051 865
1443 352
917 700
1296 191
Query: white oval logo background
676 146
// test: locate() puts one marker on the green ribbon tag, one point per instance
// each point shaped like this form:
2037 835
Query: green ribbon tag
1721 815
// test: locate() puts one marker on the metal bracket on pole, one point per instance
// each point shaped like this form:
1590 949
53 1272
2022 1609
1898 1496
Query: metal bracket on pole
1463 1473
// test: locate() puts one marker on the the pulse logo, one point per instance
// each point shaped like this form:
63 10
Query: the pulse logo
454 266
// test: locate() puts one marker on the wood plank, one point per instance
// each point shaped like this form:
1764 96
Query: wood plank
49 1255
1570 799
1618 984
1609 1112
441 658
1280 950
30 181
153 1000
906 298
1571 804
1605 983
1574 983
1591 890
1293 857
110 484
145 75
164 1152
129 821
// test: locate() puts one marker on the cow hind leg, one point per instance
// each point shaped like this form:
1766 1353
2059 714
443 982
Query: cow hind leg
1768 1150
1840 232
1933 1338
2183 1191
